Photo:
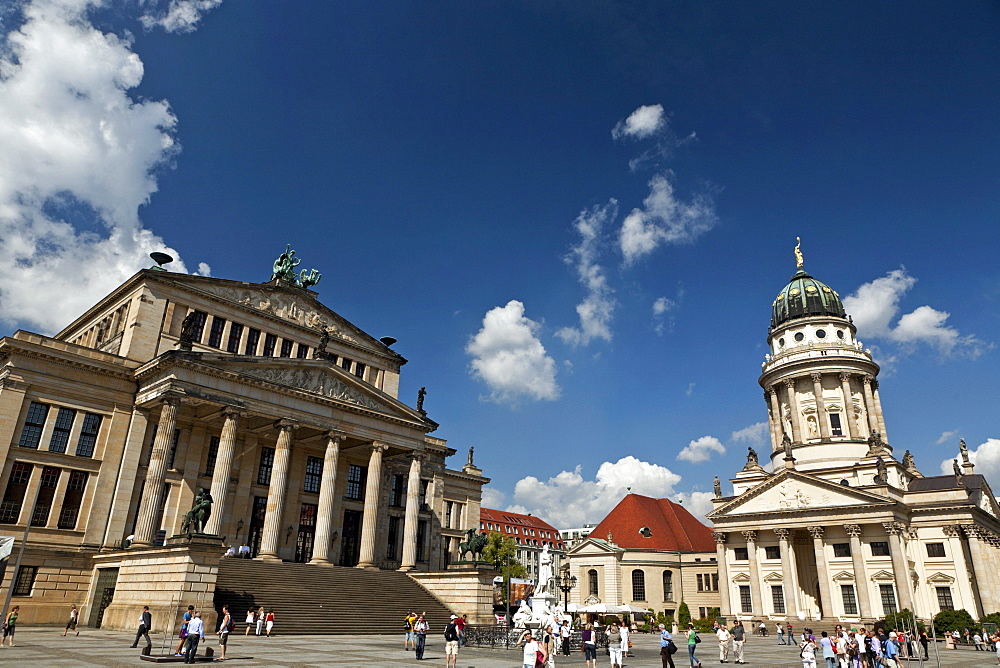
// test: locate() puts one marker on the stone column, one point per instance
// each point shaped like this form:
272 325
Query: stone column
821 571
860 576
789 581
982 573
776 427
271 535
412 509
751 539
870 403
724 584
369 521
900 573
822 419
152 494
223 469
845 384
793 409
968 590
878 410
327 494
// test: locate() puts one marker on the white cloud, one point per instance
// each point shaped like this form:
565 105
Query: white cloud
493 498
641 123
664 220
755 434
79 157
698 504
510 359
875 305
701 449
946 436
568 500
596 310
662 321
986 458
690 389
180 16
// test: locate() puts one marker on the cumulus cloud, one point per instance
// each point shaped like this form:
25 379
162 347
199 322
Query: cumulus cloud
180 16
664 220
597 308
698 504
986 458
509 357
493 498
875 305
568 499
663 319
701 450
79 157
644 122
755 434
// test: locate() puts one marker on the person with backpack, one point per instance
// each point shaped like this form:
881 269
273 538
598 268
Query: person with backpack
420 629
408 640
451 642
667 647
225 628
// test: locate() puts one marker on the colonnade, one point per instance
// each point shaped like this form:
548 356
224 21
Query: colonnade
152 500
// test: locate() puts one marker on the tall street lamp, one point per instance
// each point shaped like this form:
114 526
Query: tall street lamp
565 582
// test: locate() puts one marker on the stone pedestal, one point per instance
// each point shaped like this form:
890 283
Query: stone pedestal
544 605
465 588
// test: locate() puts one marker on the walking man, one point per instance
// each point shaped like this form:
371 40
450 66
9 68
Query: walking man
145 626
450 643
739 639
420 628
195 634
722 633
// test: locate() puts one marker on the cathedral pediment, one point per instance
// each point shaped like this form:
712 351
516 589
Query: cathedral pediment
790 491
594 546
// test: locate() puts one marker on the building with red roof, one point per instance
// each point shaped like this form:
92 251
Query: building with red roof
647 552
531 534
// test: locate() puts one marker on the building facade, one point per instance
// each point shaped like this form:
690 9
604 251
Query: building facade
839 528
573 536
284 411
531 534
652 553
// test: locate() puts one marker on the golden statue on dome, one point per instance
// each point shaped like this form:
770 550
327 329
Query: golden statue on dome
798 253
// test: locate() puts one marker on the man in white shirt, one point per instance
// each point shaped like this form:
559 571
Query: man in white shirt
724 637
195 634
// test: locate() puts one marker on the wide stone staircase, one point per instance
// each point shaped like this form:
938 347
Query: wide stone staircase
310 599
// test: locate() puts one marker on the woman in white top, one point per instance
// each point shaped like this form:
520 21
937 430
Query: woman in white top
531 649
625 635
808 652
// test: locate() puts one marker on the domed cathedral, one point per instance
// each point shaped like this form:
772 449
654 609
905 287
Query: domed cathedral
836 527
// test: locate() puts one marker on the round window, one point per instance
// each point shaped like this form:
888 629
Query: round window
799 336
840 333
821 333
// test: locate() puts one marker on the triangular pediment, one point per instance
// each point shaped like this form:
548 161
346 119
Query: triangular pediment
741 577
883 576
844 576
940 578
593 546
790 491
773 577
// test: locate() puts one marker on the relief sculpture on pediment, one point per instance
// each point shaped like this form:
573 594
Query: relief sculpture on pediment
318 382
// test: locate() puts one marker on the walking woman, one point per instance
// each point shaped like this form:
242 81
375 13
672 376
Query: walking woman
260 619
269 622
251 618
589 638
71 624
693 640
808 652
10 625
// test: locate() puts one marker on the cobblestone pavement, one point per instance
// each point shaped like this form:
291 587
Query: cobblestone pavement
46 647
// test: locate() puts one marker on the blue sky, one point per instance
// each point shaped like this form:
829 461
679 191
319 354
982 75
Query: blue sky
439 162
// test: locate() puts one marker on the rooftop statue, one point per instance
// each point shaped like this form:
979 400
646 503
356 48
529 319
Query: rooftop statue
420 400
718 487
284 269
881 472
908 462
964 450
798 254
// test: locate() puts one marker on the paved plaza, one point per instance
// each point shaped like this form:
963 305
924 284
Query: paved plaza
46 647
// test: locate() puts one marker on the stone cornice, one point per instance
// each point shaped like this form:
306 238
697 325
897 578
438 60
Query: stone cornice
112 367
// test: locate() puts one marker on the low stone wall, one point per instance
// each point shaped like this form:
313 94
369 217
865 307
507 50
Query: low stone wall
61 581
465 590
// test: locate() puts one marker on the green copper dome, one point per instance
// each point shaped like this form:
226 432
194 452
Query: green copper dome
803 297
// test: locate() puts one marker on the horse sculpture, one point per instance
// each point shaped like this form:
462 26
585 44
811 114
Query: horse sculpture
474 542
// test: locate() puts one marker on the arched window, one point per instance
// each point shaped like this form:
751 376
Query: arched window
592 575
638 585
668 585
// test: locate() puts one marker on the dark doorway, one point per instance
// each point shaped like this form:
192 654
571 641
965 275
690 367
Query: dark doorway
350 545
256 529
307 533
104 593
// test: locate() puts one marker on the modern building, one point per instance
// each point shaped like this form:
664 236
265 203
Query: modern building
283 410
531 534
573 536
651 553
840 528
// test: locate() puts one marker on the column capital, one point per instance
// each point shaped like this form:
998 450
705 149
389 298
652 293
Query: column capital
816 376
170 400
771 389
971 531
789 383
286 424
783 534
893 528
845 375
750 536
816 531
336 435
951 531
234 412
868 379
379 446
853 530
417 455
720 537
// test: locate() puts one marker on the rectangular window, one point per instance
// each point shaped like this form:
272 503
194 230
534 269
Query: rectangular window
253 338
888 596
397 493
850 600
235 333
345 364
88 435
935 550
778 599
13 498
172 452
359 370
835 428
215 332
746 603
944 598
390 548
638 585
199 326
314 473
668 586
841 549
701 586
61 429
448 508
266 464
34 421
46 492
213 454
356 481
702 613
302 352
423 495
715 582
772 552
25 580
421 540
270 341
880 548
741 554
286 347
72 499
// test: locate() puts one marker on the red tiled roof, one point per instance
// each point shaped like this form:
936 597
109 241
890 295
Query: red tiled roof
505 521
672 527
